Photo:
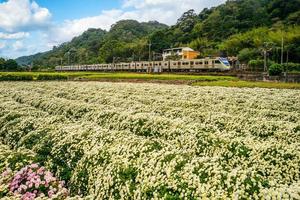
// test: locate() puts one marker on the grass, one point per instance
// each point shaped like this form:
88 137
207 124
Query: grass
249 84
105 76
198 80
157 77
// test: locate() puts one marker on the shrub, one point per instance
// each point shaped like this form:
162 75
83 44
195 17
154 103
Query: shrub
49 77
18 77
275 69
245 55
291 67
256 64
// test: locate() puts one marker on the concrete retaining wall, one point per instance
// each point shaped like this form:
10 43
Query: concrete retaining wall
289 77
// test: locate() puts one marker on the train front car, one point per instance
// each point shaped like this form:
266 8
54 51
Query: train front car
224 64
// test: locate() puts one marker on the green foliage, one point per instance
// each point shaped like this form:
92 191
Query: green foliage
9 65
173 57
2 62
249 84
48 77
275 69
249 45
291 67
125 40
15 159
246 54
256 64
107 76
15 77
280 9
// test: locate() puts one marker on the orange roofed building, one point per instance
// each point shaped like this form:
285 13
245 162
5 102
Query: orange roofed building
185 53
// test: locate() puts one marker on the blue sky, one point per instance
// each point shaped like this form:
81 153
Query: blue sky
74 9
32 26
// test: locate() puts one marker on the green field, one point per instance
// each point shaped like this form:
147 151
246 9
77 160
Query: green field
249 84
106 76
195 80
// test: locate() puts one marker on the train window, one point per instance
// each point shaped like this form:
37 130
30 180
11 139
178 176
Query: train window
206 62
217 62
174 64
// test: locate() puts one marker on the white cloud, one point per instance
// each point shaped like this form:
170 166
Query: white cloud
12 36
2 45
18 46
16 15
19 18
164 11
72 28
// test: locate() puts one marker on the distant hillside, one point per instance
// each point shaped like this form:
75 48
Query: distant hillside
97 45
27 60
211 32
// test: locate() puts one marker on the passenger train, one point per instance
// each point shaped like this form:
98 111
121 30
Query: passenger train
209 64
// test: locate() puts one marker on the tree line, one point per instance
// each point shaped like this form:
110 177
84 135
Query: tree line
9 65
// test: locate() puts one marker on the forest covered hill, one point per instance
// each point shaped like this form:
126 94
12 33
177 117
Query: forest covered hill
237 28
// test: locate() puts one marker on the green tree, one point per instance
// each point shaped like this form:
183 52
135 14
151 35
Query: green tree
2 62
11 65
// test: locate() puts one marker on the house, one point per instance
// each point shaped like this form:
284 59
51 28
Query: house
185 53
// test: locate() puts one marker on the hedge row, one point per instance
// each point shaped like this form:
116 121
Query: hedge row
291 67
49 77
28 77
19 77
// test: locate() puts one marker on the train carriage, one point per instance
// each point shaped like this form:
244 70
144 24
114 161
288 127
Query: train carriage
165 66
195 65
132 66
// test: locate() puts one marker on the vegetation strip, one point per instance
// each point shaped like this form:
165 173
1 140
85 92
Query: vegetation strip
249 84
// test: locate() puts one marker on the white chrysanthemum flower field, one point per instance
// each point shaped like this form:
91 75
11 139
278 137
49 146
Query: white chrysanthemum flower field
151 141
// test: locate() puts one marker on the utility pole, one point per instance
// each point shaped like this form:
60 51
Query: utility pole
282 45
61 61
150 44
265 60
267 47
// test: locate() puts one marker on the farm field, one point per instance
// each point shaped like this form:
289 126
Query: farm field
248 84
153 141
195 80
94 76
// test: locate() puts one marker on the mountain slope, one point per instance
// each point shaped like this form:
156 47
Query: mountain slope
86 48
